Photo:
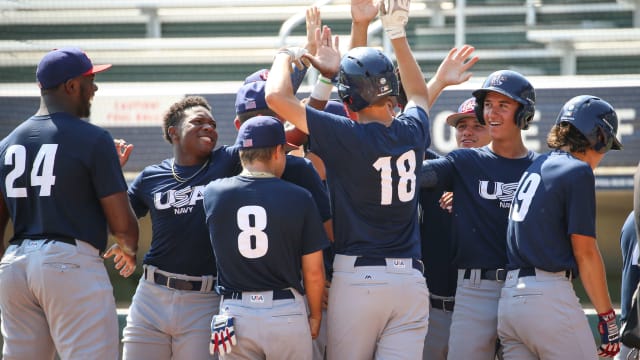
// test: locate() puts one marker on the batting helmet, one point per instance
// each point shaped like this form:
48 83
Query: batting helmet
513 85
595 119
366 75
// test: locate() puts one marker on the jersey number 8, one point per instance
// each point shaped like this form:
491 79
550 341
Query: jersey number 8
259 215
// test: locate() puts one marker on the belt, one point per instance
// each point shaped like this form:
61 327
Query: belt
531 271
277 294
175 283
63 239
489 274
442 304
373 261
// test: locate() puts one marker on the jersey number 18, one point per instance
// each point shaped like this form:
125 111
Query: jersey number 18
406 165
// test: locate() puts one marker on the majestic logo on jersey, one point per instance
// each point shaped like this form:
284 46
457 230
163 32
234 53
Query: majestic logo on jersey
498 191
182 200
257 299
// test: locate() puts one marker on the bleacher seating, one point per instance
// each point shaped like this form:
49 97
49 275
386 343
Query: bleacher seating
188 40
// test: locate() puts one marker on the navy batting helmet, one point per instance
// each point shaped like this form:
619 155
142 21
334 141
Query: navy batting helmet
366 75
513 85
595 119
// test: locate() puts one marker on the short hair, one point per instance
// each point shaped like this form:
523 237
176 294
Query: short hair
248 156
253 113
565 134
174 116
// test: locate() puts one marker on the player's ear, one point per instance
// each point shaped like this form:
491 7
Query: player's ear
172 131
237 123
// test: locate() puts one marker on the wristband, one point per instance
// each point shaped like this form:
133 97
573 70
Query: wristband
322 90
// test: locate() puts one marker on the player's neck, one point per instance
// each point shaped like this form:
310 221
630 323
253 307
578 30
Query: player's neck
182 159
375 114
510 148
258 169
590 156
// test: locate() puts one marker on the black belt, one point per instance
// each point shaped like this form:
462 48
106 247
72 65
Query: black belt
175 283
62 239
531 271
277 294
373 261
442 304
488 274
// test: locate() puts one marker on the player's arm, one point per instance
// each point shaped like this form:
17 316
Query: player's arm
453 70
124 227
394 15
279 90
428 175
4 220
314 280
592 272
362 13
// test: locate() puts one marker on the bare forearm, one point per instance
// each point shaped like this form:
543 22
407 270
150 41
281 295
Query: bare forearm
593 276
358 34
314 286
410 73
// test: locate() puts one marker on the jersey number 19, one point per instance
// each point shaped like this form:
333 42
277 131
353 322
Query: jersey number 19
524 195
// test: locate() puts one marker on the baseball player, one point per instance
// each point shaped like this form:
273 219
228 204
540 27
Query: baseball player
378 303
171 310
483 181
551 240
62 186
630 275
263 248
636 199
435 231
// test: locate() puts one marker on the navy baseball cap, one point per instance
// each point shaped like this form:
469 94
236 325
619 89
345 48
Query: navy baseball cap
261 132
465 110
250 96
60 65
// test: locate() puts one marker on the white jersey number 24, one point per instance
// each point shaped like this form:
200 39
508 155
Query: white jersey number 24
41 170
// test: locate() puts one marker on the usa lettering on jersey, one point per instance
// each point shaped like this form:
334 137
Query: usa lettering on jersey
495 190
182 200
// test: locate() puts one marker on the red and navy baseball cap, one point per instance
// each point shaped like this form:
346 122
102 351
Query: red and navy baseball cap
465 110
60 65
260 132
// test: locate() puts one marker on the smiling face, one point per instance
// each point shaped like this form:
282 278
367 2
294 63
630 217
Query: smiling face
471 134
499 114
196 134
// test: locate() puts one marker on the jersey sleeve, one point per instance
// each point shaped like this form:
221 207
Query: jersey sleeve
136 196
105 167
332 130
581 202
314 235
420 116
437 173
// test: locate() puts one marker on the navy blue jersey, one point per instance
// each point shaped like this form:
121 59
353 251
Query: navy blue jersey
483 184
54 170
555 198
180 238
301 172
260 228
630 270
437 248
372 171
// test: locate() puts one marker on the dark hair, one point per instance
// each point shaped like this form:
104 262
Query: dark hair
253 113
258 154
565 134
174 116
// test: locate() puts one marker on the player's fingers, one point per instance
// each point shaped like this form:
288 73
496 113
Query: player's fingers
336 43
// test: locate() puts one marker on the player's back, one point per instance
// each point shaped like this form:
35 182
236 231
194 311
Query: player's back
371 173
260 229
555 198
57 167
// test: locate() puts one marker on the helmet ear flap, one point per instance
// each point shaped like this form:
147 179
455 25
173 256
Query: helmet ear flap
524 116
479 110
604 142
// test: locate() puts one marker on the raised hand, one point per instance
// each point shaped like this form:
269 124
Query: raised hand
124 151
454 69
314 22
363 11
327 57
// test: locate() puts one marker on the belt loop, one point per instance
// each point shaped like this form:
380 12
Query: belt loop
149 271
204 283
